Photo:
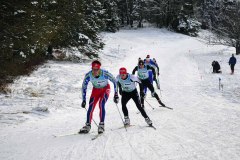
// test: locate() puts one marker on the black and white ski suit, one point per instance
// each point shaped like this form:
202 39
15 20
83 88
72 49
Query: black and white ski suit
128 90
143 76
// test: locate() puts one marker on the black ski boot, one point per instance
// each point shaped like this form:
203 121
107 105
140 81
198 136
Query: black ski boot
162 104
149 122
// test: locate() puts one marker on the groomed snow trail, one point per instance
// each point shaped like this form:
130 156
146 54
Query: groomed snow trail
204 124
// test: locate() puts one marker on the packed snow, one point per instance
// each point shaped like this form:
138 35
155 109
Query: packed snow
204 123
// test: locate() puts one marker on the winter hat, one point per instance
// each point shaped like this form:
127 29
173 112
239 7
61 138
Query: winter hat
148 56
140 62
96 64
147 59
122 70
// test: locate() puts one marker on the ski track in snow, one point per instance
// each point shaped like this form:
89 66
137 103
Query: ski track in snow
204 122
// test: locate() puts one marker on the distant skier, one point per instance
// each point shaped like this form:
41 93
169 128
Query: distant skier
100 92
216 67
127 89
232 62
144 77
150 62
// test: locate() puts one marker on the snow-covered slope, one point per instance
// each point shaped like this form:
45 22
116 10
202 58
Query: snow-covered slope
204 124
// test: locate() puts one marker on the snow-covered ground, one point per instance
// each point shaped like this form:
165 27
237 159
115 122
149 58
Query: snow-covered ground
204 124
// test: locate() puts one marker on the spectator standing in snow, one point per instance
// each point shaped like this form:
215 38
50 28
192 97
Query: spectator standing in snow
232 62
100 93
127 89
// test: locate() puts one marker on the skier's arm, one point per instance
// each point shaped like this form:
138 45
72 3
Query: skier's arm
153 70
84 86
136 79
134 70
119 85
120 88
112 79
157 68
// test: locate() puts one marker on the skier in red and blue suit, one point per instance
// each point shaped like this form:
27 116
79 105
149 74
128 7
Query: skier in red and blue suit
100 92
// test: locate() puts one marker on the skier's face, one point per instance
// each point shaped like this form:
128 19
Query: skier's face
95 71
123 76
141 65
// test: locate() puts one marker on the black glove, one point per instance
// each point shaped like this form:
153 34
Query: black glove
116 98
83 104
142 94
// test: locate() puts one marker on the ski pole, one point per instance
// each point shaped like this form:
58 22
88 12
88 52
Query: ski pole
92 119
159 86
149 104
121 117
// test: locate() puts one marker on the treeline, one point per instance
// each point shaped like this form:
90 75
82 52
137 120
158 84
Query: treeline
31 28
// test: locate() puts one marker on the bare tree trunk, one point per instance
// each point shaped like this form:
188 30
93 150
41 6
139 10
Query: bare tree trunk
237 47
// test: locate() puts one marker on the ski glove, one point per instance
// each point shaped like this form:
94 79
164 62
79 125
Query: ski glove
116 98
83 104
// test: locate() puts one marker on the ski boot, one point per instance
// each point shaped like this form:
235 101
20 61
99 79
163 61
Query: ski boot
85 129
101 127
162 104
148 121
127 121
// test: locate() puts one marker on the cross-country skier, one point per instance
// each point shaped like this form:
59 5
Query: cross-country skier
153 64
100 93
127 88
144 77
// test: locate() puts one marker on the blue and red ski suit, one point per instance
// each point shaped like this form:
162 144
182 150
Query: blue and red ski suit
100 92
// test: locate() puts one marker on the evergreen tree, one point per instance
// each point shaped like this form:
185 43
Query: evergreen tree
111 16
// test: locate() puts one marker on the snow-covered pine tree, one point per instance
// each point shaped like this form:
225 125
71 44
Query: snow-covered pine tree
110 15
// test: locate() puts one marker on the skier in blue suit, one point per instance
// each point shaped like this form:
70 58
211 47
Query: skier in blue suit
151 63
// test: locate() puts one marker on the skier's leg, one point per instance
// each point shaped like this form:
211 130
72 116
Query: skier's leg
92 103
136 99
150 76
125 98
103 99
157 82
145 90
142 98
154 94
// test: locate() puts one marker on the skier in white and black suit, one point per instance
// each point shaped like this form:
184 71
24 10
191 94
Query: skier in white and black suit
144 77
127 88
